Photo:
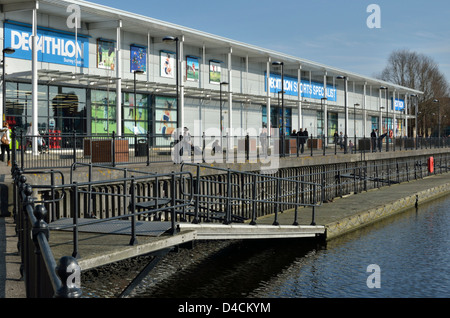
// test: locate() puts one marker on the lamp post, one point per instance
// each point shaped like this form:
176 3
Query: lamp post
354 122
7 50
323 115
221 117
135 109
416 114
170 39
387 119
439 120
277 63
345 110
135 100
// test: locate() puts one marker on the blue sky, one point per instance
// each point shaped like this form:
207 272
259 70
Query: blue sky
334 33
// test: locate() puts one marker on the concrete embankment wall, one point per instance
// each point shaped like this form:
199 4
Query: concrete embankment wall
409 195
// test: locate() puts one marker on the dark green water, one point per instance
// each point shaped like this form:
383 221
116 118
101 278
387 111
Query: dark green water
411 250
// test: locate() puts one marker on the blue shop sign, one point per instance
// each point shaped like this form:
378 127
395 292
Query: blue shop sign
53 46
308 89
399 104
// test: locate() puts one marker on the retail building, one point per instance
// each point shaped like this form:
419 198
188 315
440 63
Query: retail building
79 66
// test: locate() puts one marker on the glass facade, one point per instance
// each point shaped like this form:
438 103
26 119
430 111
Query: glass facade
136 115
375 123
84 111
103 112
59 108
320 123
332 126
276 118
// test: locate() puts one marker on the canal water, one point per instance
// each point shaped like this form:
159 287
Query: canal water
406 256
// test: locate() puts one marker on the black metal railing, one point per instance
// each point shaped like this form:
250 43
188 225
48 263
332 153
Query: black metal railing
58 151
242 196
43 276
192 195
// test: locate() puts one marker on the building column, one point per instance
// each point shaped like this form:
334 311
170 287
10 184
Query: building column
180 69
380 125
394 117
119 79
406 115
299 97
34 90
230 144
325 109
269 131
364 117
203 69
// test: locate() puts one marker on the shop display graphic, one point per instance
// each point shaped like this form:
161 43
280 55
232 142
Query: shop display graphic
214 72
138 58
106 54
167 64
192 69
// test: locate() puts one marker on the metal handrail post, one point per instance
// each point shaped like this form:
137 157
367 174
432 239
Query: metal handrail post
74 148
22 152
228 208
173 203
313 222
277 199
197 197
253 221
148 148
133 240
323 144
113 148
75 219
297 184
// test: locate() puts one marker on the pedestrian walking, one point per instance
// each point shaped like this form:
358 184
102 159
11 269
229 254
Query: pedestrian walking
6 142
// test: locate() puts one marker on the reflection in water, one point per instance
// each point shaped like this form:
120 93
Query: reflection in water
234 271
411 249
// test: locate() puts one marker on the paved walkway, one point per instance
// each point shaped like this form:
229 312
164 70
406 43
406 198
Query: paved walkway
11 285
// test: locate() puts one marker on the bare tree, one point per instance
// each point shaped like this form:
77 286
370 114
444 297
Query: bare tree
420 72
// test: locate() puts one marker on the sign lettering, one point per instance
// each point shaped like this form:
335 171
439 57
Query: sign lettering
53 46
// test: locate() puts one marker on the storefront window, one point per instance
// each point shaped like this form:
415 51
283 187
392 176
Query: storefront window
375 121
276 118
165 116
59 108
135 114
320 124
67 109
103 112
332 126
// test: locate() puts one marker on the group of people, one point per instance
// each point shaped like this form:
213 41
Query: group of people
377 140
339 139
302 136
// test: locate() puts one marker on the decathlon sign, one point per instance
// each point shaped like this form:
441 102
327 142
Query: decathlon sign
53 46
308 89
